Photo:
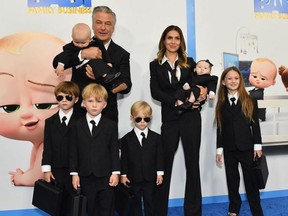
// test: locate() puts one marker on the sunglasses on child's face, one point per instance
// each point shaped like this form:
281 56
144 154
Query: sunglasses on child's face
139 119
61 97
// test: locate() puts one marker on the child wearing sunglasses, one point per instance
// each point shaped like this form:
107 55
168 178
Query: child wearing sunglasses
142 159
57 133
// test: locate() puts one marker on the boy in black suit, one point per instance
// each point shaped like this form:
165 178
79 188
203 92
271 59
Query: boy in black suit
55 161
94 155
142 159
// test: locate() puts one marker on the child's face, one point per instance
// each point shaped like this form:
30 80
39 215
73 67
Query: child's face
203 67
262 74
66 101
27 81
231 81
141 120
81 40
94 106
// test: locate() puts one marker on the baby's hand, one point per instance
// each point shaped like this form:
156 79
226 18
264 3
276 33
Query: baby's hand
16 175
186 86
59 70
211 97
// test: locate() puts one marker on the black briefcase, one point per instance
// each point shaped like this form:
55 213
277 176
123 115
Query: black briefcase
48 197
124 200
79 204
260 171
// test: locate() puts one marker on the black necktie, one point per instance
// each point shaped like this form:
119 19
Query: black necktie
143 138
233 99
93 132
64 118
174 80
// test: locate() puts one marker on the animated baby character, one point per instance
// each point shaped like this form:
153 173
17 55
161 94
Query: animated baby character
263 73
283 72
27 81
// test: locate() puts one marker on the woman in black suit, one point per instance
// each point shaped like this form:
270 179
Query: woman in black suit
169 71
239 138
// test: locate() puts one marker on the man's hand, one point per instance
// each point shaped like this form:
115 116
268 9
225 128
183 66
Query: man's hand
91 53
89 72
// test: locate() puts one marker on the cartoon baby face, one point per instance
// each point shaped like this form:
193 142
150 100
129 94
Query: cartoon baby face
27 81
262 73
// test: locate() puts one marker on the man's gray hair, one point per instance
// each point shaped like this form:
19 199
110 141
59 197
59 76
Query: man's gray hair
104 9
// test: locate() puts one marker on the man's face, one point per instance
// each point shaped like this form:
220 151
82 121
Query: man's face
262 74
103 26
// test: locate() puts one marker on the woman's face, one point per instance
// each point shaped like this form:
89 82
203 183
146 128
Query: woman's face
172 41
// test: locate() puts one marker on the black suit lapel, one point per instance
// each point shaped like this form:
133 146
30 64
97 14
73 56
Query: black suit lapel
84 126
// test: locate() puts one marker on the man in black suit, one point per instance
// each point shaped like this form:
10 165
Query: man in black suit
57 134
94 153
104 20
142 159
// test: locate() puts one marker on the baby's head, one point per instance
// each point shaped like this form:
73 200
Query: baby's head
203 67
263 73
81 35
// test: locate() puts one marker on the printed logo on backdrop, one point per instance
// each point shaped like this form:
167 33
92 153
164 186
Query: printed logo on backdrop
272 9
59 6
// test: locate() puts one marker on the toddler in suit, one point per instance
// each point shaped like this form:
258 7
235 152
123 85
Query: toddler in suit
55 160
142 159
94 154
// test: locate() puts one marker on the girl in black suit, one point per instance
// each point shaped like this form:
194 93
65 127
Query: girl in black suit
239 138
171 69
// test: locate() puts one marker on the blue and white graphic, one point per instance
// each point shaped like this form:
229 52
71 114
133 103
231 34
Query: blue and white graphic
59 3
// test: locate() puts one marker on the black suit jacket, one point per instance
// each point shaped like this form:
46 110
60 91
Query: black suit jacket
238 133
98 154
57 140
121 62
163 91
138 162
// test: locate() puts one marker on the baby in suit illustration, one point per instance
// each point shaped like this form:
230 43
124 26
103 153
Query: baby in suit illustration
263 73
27 94
142 159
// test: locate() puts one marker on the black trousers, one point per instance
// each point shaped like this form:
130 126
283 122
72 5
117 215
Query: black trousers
188 129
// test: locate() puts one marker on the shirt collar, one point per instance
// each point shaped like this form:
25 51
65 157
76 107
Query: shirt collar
164 59
107 44
138 132
68 115
235 96
96 119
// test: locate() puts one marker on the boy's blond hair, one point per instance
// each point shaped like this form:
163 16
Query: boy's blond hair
141 106
94 90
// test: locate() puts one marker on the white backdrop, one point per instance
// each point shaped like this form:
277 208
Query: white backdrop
138 30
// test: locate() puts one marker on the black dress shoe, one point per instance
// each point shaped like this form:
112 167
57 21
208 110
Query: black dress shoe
187 105
110 77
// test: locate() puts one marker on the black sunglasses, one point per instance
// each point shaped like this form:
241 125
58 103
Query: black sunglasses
139 119
68 97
